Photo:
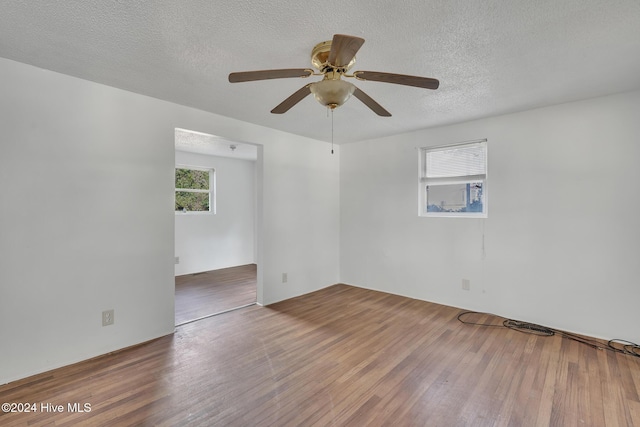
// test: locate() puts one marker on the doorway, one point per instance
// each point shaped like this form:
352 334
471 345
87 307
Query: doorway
215 238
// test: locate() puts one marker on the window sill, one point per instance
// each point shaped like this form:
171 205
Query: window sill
453 215
190 213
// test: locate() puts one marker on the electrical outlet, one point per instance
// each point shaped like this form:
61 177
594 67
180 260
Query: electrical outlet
107 317
177 260
466 284
285 277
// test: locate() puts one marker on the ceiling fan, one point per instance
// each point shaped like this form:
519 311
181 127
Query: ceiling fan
333 59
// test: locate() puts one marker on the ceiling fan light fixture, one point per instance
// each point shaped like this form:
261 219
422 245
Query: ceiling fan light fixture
332 93
333 58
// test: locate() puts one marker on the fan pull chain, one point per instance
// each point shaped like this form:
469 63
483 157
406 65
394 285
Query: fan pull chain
332 131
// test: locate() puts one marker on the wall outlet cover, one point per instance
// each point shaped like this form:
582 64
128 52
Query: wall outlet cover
107 317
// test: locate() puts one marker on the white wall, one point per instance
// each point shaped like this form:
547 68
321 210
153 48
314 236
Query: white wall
87 220
207 242
301 202
562 237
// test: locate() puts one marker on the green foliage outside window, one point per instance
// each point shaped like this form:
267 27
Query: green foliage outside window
192 190
192 202
192 179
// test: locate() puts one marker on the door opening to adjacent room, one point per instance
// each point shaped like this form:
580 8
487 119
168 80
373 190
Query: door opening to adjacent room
215 225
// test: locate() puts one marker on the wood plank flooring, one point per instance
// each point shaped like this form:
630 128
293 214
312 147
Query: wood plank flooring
210 292
342 356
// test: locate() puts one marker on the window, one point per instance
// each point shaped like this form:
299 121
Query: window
195 190
453 180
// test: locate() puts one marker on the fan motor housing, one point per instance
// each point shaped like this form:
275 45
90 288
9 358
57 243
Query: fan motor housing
320 57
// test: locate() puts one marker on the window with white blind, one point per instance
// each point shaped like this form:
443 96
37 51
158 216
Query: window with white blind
453 180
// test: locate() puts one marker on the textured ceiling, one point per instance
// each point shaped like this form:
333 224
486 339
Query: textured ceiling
491 57
202 143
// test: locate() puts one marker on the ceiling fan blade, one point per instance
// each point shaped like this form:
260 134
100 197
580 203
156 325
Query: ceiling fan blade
343 49
247 76
399 79
369 102
296 97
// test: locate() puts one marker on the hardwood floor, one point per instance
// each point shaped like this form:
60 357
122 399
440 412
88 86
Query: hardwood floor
341 356
202 294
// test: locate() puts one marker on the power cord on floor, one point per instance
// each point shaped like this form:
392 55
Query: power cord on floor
616 345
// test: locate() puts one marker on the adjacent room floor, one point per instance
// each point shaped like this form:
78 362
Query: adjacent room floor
203 294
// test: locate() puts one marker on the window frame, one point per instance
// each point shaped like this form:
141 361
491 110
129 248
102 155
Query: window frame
424 181
211 191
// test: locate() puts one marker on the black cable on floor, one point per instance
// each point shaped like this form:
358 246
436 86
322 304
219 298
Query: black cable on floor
624 346
614 345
